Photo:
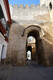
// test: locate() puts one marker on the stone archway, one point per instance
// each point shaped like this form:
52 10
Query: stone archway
37 33
17 51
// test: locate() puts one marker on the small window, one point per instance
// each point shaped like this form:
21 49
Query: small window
50 5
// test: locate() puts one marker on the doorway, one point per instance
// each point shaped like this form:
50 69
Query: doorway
31 47
39 51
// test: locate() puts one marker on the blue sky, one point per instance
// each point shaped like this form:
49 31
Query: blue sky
24 2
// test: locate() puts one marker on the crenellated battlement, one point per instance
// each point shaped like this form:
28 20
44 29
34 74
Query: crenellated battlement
32 5
37 5
27 12
27 6
21 6
15 5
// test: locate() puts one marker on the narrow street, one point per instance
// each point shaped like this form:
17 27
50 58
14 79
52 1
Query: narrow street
32 71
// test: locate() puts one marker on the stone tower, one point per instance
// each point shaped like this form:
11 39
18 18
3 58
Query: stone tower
33 21
48 3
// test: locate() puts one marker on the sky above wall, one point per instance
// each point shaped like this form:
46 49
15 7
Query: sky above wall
24 2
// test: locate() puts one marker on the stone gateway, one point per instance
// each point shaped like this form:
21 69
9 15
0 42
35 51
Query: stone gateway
31 21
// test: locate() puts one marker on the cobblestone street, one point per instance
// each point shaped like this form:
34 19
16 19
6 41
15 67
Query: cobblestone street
32 71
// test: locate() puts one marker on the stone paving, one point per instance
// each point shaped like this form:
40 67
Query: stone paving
32 71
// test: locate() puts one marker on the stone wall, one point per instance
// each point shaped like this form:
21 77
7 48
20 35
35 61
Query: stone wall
48 41
22 18
16 52
46 2
17 43
27 13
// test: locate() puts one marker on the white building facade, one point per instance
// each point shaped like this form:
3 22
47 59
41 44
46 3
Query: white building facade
5 21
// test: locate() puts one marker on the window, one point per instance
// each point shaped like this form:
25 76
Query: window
50 5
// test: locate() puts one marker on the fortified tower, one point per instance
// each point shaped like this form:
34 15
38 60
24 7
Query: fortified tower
31 21
25 14
48 3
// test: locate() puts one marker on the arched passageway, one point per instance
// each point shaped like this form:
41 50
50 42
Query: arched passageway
29 52
2 54
35 31
31 47
39 47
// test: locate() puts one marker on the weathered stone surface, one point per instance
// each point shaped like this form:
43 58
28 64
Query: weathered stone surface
25 20
27 13
17 44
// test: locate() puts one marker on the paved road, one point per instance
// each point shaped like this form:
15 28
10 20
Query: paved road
32 71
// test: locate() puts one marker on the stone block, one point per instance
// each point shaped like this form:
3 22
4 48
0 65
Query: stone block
21 6
51 15
26 6
32 6
10 5
38 5
15 5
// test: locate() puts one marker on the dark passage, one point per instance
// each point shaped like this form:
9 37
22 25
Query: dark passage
50 5
39 51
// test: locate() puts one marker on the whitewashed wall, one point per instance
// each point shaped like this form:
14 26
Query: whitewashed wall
4 51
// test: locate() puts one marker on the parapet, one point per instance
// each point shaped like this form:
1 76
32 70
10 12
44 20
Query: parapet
37 5
15 5
32 5
27 6
10 5
43 5
21 6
